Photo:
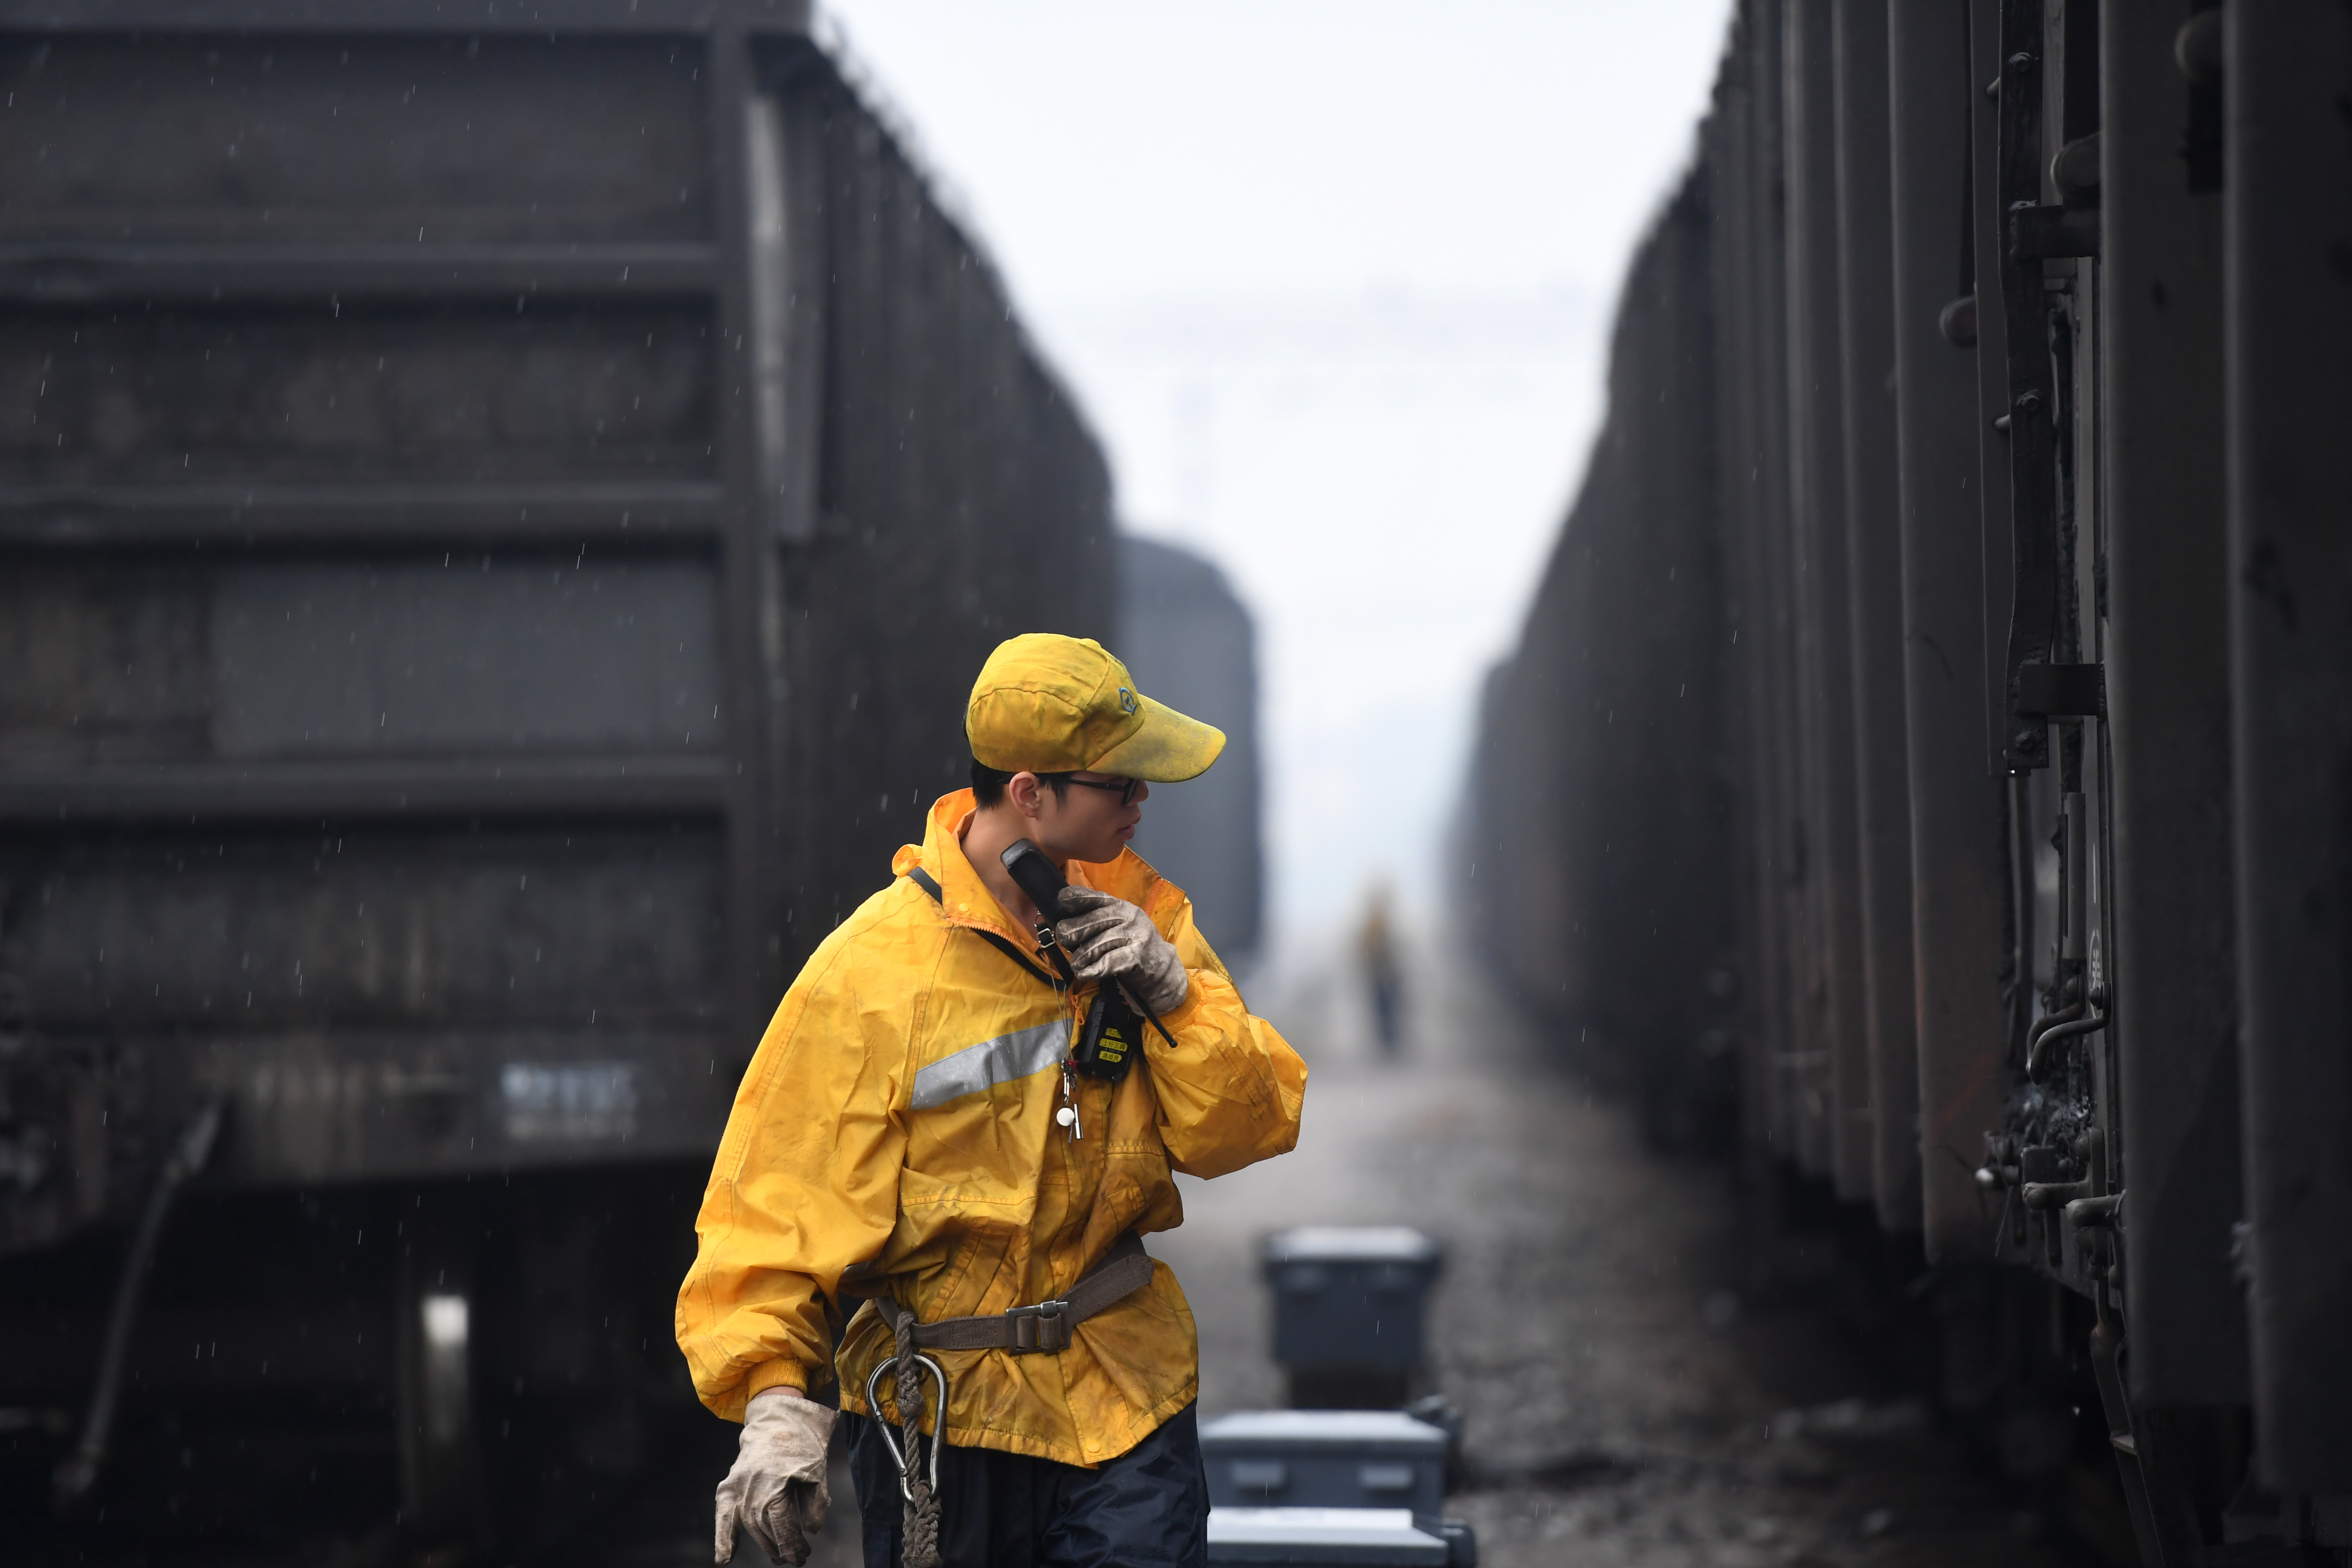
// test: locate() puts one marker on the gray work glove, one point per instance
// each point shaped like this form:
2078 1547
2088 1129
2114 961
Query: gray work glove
1108 937
776 1490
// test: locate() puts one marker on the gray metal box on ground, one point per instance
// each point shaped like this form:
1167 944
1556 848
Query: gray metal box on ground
1325 1458
1332 1536
1351 1296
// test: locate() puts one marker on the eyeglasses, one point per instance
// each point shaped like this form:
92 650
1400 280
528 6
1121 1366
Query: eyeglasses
1125 787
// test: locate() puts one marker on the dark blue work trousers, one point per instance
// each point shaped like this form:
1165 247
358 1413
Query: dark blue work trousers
1147 1509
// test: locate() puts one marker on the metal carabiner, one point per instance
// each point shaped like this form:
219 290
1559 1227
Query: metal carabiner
938 1418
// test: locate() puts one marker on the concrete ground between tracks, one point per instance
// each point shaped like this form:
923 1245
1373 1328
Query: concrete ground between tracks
1622 1404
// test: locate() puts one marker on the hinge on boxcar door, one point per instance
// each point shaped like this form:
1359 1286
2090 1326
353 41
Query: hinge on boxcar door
2062 690
2038 233
2045 231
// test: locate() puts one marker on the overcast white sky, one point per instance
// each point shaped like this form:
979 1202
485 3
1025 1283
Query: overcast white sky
1332 283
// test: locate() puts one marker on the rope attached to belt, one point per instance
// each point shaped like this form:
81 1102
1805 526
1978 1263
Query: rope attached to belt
1024 1330
920 1526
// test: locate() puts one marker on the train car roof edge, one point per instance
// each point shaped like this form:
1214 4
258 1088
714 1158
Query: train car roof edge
784 17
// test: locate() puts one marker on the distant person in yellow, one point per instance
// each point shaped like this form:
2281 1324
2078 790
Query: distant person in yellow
912 1133
1376 949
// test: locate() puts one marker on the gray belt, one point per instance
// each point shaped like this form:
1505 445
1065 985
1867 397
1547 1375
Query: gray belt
1125 1269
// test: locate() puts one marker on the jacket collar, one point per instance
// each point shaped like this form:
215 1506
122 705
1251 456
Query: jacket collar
965 899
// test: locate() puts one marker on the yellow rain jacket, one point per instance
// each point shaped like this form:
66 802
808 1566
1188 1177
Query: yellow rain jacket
900 1115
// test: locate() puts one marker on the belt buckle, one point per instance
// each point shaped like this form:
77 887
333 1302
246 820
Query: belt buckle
1044 1327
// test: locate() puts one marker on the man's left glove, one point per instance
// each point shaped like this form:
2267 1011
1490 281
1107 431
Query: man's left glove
1110 937
777 1489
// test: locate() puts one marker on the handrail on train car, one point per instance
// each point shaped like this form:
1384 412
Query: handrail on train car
78 1473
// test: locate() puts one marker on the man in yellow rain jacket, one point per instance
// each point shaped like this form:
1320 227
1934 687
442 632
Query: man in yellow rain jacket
911 1132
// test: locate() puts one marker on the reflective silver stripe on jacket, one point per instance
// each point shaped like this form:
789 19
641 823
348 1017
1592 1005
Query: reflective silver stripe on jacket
1019 1054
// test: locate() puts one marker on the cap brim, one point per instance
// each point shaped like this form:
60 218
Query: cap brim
1168 749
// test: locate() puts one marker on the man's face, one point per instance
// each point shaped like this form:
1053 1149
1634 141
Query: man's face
1088 820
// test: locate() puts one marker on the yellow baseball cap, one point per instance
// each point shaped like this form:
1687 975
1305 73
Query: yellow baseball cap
1050 704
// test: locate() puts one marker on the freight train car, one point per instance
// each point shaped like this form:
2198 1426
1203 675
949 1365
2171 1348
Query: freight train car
500 510
1934 710
1193 644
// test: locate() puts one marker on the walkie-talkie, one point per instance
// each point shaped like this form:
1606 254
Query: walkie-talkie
1114 1029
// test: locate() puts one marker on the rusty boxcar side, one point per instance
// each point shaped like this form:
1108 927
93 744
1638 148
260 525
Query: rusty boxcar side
2025 336
498 512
